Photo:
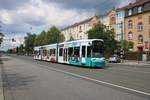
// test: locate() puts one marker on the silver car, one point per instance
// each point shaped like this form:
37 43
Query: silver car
114 59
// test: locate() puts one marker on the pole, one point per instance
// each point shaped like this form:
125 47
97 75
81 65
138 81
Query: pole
57 37
122 42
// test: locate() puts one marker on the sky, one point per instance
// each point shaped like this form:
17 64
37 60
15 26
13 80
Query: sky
17 17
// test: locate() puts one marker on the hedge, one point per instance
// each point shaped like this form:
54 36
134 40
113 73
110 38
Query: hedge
136 55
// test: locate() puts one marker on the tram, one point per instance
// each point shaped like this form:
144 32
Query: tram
87 52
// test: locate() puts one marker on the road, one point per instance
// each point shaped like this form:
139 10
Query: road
27 79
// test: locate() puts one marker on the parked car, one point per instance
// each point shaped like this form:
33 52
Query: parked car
114 59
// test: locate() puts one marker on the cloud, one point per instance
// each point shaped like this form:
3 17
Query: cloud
11 4
8 44
88 5
124 3
18 16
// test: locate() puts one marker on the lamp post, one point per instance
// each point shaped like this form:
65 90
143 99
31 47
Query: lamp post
122 47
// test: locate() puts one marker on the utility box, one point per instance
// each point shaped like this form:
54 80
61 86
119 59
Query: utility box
144 57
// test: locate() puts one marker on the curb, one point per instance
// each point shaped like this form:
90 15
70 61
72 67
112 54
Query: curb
1 85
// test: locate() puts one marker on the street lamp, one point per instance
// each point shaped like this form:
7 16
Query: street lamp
122 47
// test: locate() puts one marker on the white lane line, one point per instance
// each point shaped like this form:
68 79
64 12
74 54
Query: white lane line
1 87
98 81
131 71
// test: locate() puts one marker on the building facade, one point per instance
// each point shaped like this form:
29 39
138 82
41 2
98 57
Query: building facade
120 17
137 25
78 30
104 19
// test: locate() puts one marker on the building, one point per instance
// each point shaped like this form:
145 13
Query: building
112 20
104 19
137 25
120 17
78 30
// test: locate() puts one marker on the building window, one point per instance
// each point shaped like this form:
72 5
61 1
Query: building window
140 9
140 26
146 44
149 19
112 20
130 36
130 25
130 12
140 39
80 29
149 33
119 15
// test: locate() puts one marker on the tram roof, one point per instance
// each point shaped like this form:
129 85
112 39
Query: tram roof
83 40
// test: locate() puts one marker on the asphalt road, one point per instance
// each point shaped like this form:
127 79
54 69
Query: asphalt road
26 79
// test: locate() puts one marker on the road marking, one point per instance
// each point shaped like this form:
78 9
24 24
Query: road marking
98 81
1 87
131 70
95 80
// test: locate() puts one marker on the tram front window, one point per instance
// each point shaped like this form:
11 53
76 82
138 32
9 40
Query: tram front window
97 49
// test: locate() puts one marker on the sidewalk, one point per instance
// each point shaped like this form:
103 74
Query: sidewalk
1 83
134 62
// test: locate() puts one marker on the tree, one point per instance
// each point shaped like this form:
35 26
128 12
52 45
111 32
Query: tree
100 31
40 39
20 49
29 43
127 45
1 38
54 36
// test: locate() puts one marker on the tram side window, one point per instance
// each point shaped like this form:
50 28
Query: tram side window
83 51
39 53
50 52
60 51
88 51
77 51
44 52
70 51
54 52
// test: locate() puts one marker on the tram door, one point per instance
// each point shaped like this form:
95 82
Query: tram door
65 56
83 61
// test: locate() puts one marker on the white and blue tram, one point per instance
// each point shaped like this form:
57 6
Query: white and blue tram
87 52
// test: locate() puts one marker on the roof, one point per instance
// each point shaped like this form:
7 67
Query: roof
120 9
79 23
82 40
137 3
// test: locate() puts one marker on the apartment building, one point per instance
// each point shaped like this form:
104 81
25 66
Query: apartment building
137 24
78 30
120 17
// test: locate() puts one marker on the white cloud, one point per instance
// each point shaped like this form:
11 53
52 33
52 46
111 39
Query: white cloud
125 2
8 43
6 17
39 15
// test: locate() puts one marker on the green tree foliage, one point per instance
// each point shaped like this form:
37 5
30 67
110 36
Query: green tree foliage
40 39
1 38
53 35
128 45
100 31
29 43
20 49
